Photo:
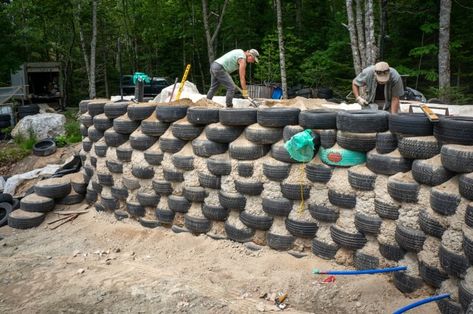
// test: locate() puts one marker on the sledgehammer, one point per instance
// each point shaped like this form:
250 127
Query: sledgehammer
253 102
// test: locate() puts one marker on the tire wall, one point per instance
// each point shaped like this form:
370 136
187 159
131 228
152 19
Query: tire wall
392 210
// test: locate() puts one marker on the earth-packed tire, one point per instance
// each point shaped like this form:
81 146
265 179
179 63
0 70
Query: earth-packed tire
219 166
5 210
386 142
114 139
258 134
86 120
238 116
165 216
280 153
208 180
245 169
277 117
20 219
365 261
409 239
197 225
361 178
224 134
321 119
367 224
324 213
406 283
115 109
360 142
204 147
318 172
413 124
171 113
256 222
403 188
431 171
276 171
53 187
125 125
162 187
328 138
140 111
194 194
114 166
465 186
295 191
148 199
443 200
153 127
249 188
457 158
215 212
102 122
301 229
423 147
233 201
430 226
243 149
203 115
432 275
280 242
447 130
120 214
362 121
119 192
278 206
178 204
124 152
96 106
343 200
141 141
453 263
391 252
154 156
291 130
387 164
348 240
171 144
324 250
173 175
183 161
239 235
185 130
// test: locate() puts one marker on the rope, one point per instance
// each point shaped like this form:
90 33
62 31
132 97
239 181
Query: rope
302 181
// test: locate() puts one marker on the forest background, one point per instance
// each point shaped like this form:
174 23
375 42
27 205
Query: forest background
311 40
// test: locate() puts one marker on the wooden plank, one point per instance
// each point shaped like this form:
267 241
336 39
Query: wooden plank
429 113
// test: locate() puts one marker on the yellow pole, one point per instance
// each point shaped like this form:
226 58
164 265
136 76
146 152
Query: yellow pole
184 78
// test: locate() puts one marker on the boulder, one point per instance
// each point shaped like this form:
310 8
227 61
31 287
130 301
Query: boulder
42 125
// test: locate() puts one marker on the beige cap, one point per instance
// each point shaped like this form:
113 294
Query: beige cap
255 54
381 70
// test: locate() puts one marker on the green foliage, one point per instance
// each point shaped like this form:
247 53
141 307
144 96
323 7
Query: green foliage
12 154
26 142
453 95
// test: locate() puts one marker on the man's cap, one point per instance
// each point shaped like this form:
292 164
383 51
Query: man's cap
255 54
381 70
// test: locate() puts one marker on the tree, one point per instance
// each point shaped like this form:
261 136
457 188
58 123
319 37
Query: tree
282 55
212 38
444 43
362 36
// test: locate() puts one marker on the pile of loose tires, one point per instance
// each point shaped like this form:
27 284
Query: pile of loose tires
32 209
226 173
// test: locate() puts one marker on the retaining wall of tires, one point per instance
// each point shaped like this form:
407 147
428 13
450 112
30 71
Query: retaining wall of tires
225 172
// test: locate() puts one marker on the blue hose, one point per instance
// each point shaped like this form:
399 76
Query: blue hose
420 302
359 272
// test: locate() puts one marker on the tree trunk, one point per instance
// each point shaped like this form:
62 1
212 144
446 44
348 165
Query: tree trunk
444 43
82 43
353 37
299 16
369 33
360 32
93 45
211 38
383 24
282 54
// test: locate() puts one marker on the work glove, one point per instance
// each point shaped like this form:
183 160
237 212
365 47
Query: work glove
244 93
361 101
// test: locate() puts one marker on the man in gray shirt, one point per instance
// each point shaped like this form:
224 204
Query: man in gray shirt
379 84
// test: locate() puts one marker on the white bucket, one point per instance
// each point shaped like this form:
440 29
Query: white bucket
8 109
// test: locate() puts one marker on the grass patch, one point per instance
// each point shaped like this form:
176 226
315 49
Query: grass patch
72 128
10 155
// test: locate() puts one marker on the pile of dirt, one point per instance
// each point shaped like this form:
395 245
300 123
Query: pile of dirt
97 264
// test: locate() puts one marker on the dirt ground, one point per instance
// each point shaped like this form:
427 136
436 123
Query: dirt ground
97 264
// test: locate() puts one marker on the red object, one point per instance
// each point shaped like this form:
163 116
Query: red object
334 157
329 279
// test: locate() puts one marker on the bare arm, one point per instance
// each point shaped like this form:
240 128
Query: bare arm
242 72
355 89
394 104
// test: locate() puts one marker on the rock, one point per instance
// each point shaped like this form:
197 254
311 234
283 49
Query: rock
43 125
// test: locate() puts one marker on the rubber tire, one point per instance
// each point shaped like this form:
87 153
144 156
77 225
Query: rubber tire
465 186
238 116
194 194
171 144
173 176
426 173
250 151
385 210
263 135
183 162
301 229
406 283
239 235
362 121
162 187
294 191
409 239
217 213
102 123
278 206
444 202
457 158
44 148
148 199
256 222
453 264
367 224
203 115
140 111
413 124
114 139
277 117
324 250
171 113
245 169
219 166
280 242
249 188
360 142
178 204
403 191
53 190
424 147
323 213
165 216
318 119
387 164
203 147
341 200
447 130
361 181
347 240
17 220
186 131
386 142
209 181
154 156
115 109
391 252
276 172
319 173
364 261
232 201
197 225
5 210
290 130
431 275
224 134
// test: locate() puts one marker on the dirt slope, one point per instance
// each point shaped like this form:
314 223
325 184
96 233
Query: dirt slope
96 264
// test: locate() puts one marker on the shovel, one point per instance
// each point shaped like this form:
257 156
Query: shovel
253 102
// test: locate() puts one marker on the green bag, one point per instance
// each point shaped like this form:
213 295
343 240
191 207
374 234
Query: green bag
141 75
301 146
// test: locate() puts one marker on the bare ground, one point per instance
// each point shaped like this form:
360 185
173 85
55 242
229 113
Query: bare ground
97 264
